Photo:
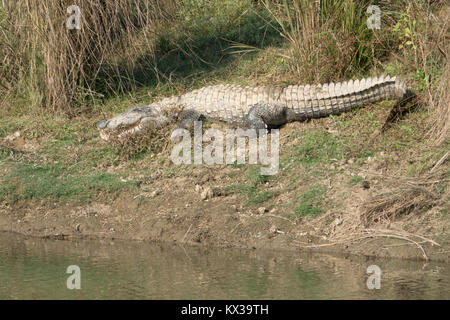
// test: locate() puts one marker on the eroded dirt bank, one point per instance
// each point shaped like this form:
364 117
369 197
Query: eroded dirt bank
174 215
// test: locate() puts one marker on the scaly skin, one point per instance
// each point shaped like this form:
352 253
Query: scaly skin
256 107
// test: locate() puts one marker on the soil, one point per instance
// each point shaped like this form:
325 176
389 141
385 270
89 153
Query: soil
175 211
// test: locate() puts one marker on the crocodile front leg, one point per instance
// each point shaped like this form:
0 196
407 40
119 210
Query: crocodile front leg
187 118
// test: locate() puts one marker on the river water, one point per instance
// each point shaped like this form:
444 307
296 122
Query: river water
36 269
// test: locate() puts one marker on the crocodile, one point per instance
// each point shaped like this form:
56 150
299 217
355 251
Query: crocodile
254 107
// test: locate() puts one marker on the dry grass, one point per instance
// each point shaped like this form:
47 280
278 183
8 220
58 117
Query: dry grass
45 62
329 39
440 103
406 195
431 51
380 216
427 42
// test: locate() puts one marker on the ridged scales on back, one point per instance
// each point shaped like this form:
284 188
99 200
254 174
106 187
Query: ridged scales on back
261 107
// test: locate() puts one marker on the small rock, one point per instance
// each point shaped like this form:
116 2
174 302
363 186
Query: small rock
366 184
350 161
155 193
112 229
78 227
261 210
337 222
207 193
198 188
13 136
273 229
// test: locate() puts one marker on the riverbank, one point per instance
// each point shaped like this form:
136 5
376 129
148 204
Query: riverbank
373 181
334 192
217 223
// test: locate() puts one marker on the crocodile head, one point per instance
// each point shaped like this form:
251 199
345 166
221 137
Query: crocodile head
132 122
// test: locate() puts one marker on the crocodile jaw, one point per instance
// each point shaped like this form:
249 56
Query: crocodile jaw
131 122
120 132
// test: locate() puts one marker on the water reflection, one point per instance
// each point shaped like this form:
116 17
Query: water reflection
36 269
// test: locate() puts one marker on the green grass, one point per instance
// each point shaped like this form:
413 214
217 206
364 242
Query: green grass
356 180
12 125
310 203
251 189
318 147
57 182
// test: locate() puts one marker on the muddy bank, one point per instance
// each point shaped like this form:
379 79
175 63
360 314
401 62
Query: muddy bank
329 195
174 215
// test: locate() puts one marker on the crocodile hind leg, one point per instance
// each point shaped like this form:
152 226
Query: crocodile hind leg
266 116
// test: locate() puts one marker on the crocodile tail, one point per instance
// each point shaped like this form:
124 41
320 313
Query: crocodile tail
325 99
354 94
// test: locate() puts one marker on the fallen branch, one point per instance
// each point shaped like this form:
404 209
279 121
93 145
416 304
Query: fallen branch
186 233
373 233
272 215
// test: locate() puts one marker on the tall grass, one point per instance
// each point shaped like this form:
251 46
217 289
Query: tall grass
329 38
122 45
422 50
46 63
430 46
